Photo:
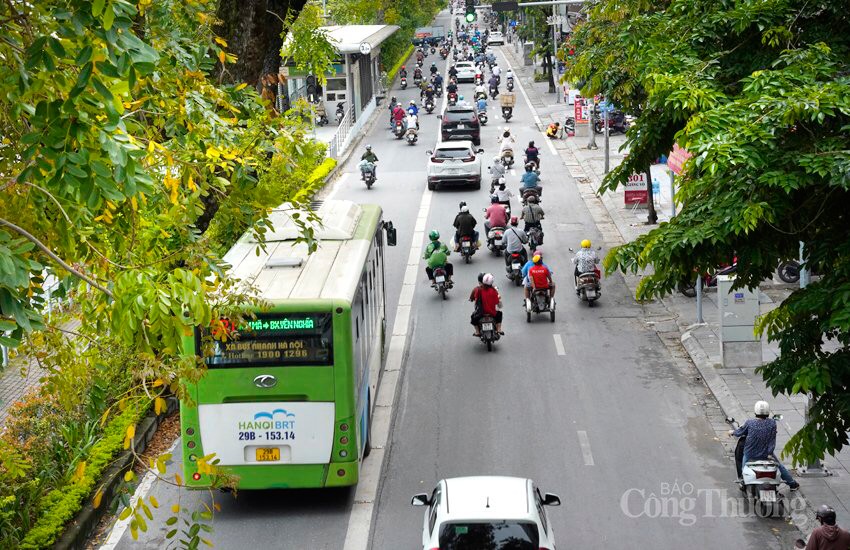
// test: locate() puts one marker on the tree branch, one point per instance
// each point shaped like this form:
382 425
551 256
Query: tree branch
67 267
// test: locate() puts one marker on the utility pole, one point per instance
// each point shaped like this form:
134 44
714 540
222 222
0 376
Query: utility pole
651 215
591 144
555 52
607 145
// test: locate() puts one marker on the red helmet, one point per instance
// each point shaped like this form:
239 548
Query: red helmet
514 220
402 66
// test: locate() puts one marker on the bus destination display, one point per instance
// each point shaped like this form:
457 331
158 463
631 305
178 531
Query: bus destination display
276 339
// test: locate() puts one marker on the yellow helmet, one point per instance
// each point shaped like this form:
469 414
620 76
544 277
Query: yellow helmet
585 243
536 259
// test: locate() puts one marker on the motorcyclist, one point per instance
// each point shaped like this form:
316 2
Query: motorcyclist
420 55
530 180
411 122
495 215
482 105
402 72
828 536
532 154
451 87
480 90
509 74
398 115
493 84
586 260
532 213
538 276
515 239
417 74
496 73
506 142
368 158
487 302
453 71
761 440
464 225
427 93
497 172
438 81
437 254
434 69
393 104
503 194
412 108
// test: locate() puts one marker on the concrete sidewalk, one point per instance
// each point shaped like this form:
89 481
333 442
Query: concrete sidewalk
736 390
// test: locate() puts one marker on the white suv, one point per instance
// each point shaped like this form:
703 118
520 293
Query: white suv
465 71
508 512
454 163
494 38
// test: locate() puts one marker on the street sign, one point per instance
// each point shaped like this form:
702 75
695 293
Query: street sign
582 110
504 6
677 158
512 23
636 190
365 48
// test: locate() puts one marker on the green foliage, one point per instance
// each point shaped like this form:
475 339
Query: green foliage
402 59
759 93
306 44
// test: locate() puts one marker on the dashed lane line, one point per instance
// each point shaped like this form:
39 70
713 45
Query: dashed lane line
559 344
584 442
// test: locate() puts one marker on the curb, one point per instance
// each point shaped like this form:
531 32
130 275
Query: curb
77 532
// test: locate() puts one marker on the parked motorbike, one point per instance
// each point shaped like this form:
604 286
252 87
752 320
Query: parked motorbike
482 117
367 174
689 288
496 240
617 123
398 130
759 479
404 83
321 115
467 248
441 282
507 113
429 106
411 136
540 302
514 268
507 158
487 326
340 112
789 271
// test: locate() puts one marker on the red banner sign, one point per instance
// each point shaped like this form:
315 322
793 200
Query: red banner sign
677 159
636 190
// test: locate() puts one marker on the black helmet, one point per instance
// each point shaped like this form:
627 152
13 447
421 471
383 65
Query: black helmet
531 143
825 514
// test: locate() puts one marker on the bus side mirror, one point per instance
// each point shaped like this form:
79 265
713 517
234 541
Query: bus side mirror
392 235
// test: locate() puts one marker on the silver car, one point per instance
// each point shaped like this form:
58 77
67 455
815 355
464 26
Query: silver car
454 163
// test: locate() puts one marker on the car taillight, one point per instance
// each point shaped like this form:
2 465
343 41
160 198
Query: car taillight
470 159
436 160
760 475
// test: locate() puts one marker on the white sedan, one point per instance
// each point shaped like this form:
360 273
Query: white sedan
508 512
494 38
465 71
454 163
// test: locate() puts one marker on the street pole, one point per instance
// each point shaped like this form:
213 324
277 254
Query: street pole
555 52
607 145
591 144
700 320
672 193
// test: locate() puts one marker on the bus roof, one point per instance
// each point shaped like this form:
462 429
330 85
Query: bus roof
285 271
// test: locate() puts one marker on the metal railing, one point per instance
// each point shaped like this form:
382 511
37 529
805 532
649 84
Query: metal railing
337 142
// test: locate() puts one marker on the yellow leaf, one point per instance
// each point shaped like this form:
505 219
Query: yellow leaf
175 508
131 431
241 86
158 382
221 41
217 506
134 203
98 496
154 502
159 405
128 476
178 480
221 56
79 471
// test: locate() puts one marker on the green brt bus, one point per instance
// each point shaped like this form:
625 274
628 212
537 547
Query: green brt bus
287 403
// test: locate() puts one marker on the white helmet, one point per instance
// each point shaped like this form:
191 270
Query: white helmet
464 208
487 279
497 158
762 408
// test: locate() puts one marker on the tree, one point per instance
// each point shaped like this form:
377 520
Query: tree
759 94
535 29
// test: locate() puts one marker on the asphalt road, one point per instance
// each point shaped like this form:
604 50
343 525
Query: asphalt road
611 416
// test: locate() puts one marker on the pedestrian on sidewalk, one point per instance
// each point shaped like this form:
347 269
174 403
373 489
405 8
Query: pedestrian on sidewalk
828 536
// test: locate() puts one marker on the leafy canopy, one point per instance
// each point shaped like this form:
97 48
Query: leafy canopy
759 93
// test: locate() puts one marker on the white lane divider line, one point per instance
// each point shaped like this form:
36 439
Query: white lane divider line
559 344
551 146
142 491
584 442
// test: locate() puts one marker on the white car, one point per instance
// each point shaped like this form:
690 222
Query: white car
465 71
508 512
494 38
454 163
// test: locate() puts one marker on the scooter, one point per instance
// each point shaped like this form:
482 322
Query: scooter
529 192
759 479
438 90
321 115
496 240
467 248
482 117
540 302
507 113
404 83
487 327
510 84
689 288
514 268
411 136
398 129
340 112
452 99
789 271
368 175
429 106
617 123
479 79
441 282
494 92
535 163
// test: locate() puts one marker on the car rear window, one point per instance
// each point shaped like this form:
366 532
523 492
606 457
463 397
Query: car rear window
457 116
465 65
492 535
453 153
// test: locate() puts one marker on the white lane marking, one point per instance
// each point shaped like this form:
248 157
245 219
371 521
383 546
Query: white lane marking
337 185
585 448
360 519
559 344
551 146
522 89
142 491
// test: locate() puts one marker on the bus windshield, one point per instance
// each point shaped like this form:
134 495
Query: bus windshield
274 339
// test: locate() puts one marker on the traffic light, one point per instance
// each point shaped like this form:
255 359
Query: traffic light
470 11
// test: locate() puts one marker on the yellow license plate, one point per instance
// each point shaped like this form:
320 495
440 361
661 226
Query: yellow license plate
268 455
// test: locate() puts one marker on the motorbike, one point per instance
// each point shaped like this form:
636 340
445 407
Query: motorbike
689 288
398 129
487 326
429 106
588 288
480 95
404 83
759 479
441 282
507 158
570 126
535 236
482 117
540 302
494 92
433 49
368 175
417 80
617 123
444 53
496 240
507 113
340 112
514 268
452 98
789 271
529 192
535 162
467 248
411 136
510 84
479 79
438 90
321 115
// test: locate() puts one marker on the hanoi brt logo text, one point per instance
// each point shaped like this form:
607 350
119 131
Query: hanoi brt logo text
278 419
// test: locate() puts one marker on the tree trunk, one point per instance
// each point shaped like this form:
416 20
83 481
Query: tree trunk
552 88
253 29
651 216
